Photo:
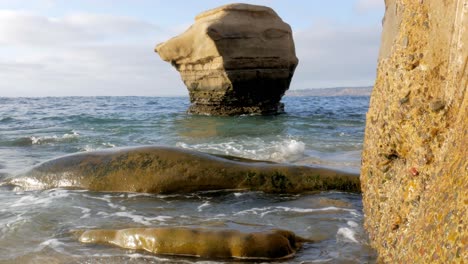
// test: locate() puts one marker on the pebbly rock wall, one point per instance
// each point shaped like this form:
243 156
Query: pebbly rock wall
414 167
235 59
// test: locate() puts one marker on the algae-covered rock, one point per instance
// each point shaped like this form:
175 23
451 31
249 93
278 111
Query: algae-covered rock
235 59
173 170
415 167
199 242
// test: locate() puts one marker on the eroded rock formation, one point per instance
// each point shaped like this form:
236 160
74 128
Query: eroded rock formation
173 170
414 172
200 242
235 59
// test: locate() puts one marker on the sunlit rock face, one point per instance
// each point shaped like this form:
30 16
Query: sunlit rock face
235 59
414 166
198 242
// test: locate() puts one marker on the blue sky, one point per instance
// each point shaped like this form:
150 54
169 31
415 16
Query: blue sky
105 47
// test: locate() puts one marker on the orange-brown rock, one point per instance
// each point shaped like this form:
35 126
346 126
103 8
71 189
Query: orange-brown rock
199 242
235 59
415 161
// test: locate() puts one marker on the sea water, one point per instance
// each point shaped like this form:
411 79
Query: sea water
36 226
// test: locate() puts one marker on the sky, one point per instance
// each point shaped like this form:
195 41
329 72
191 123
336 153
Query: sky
106 47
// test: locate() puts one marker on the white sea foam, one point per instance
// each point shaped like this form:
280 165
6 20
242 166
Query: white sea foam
11 223
142 256
132 195
72 135
282 150
346 234
220 216
109 145
108 199
105 145
87 148
27 183
142 219
101 198
84 211
352 224
274 209
40 140
138 256
328 260
38 199
53 243
205 204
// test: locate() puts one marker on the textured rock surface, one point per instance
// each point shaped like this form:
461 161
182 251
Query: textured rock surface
235 59
173 170
200 242
414 172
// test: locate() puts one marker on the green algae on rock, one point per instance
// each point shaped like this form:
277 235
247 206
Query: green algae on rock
172 170
414 165
200 242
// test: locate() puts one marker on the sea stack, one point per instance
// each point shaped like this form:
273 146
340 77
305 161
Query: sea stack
235 59
414 170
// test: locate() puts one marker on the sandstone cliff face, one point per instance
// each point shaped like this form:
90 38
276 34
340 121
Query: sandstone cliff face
235 59
414 170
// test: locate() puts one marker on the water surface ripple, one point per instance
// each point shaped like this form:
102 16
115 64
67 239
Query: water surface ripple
35 227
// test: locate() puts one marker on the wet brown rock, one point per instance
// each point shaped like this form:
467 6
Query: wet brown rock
173 170
415 203
235 59
199 242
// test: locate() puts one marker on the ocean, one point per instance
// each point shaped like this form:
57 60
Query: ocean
36 226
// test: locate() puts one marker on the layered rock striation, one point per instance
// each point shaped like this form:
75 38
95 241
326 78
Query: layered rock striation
235 59
415 161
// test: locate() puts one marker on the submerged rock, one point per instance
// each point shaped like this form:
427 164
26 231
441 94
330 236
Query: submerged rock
415 167
235 59
173 170
199 242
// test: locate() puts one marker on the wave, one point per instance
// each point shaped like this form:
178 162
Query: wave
44 140
6 119
286 150
136 218
41 199
351 233
279 209
346 234
104 145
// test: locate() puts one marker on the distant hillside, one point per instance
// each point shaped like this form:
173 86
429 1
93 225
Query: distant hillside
337 91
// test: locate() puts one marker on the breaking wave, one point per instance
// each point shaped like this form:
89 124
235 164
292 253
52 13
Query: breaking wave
286 150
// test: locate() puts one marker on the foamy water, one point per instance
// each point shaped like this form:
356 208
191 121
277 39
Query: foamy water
37 226
283 150
47 223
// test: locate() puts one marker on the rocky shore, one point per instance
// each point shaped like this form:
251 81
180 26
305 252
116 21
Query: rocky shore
173 170
166 170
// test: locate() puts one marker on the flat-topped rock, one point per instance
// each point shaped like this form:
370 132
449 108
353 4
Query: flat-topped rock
235 59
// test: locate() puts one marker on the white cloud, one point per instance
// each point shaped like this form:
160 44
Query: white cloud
336 55
94 70
82 54
95 54
25 28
